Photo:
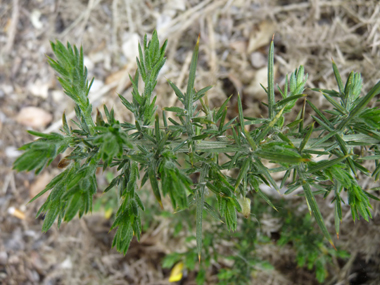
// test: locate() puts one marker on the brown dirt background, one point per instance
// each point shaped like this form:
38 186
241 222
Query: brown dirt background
233 52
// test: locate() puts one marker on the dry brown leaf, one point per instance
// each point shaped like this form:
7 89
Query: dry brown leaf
239 46
261 36
115 77
261 77
34 117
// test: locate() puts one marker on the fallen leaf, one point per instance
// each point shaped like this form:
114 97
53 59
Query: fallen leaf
116 76
261 77
261 36
34 117
239 46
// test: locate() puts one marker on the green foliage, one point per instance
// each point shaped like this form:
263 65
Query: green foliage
308 244
42 152
297 232
208 145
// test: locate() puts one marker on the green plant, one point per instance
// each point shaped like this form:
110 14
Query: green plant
308 244
297 232
208 143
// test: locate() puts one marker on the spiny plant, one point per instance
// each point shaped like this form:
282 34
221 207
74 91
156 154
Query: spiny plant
297 232
209 144
308 244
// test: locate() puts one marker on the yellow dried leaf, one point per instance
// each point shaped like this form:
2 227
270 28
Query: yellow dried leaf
176 273
108 213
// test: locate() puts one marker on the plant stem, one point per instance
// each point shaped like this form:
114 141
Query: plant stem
222 147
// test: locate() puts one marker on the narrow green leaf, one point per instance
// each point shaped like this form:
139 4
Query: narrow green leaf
335 104
176 90
157 128
286 176
289 99
270 93
174 109
266 173
306 138
368 132
241 116
154 184
348 87
293 124
256 186
213 212
278 157
200 204
315 210
285 139
73 207
371 157
319 113
322 124
338 78
222 109
250 140
292 188
190 85
200 137
51 215
325 164
199 94
361 105
271 124
322 140
243 171
371 196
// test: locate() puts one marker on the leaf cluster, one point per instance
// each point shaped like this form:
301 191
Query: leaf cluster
222 158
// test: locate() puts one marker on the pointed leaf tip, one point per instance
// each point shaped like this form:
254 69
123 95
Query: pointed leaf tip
272 37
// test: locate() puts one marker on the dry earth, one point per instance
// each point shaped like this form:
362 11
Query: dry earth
233 54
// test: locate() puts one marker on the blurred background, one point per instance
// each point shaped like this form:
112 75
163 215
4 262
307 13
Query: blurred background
235 36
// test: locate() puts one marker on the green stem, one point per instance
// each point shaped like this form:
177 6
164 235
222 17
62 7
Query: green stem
223 147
